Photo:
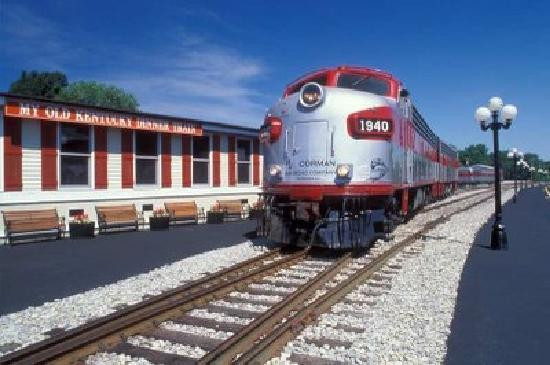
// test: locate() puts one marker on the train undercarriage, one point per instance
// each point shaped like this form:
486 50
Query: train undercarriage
342 222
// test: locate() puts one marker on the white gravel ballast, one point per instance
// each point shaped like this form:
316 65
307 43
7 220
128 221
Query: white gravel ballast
407 322
20 329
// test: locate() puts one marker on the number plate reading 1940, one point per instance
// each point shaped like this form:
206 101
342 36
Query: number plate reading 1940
374 126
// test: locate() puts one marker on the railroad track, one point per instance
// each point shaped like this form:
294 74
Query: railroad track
242 314
374 268
198 316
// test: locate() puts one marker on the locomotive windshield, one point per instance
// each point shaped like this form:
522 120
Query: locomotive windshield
366 83
320 79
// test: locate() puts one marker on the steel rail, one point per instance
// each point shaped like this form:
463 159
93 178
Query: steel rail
229 349
429 208
272 342
106 332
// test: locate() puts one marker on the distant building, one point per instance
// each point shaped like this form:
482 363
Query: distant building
74 157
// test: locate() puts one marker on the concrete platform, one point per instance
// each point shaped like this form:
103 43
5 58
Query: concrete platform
33 273
502 314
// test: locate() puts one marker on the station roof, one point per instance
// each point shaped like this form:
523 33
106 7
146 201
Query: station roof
207 125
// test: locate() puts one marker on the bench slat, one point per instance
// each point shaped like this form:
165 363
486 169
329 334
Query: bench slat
29 221
231 207
117 215
181 209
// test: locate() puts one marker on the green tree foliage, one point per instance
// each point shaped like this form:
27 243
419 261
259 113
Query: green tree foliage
474 155
97 94
39 84
479 154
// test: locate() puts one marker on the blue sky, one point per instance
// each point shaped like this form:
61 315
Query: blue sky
229 60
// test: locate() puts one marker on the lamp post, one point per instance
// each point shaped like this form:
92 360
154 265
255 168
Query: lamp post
515 154
521 166
526 174
507 113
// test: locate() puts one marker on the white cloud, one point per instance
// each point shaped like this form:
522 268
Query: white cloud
201 80
27 35
182 73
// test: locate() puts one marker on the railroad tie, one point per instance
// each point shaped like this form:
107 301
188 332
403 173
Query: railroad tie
233 312
305 359
249 301
331 342
154 356
209 323
185 338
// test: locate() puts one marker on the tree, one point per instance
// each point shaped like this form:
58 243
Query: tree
97 94
39 84
474 154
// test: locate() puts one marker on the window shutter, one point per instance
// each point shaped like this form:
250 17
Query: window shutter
48 155
256 162
100 157
231 160
166 160
186 160
127 149
13 155
216 160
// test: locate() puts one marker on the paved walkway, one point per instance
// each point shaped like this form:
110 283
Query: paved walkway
33 273
502 314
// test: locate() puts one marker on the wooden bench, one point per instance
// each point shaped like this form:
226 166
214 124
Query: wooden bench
117 216
21 223
182 211
231 208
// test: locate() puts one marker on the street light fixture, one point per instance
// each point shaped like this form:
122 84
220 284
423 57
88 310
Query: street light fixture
521 165
483 115
526 174
515 154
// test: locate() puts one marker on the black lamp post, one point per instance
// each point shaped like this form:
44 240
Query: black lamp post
506 113
515 154
521 164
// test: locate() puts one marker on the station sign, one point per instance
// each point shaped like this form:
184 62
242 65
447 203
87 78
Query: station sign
90 116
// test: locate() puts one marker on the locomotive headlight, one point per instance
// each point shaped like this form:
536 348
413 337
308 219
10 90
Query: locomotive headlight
275 170
343 170
311 95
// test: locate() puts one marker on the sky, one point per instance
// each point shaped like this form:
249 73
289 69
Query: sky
228 61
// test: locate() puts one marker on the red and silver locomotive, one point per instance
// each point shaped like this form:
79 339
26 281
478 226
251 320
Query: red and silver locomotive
345 154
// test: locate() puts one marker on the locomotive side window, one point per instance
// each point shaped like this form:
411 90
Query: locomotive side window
365 83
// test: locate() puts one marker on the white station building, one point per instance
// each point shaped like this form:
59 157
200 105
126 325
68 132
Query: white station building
73 157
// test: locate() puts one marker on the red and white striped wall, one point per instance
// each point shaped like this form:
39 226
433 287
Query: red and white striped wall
31 158
30 164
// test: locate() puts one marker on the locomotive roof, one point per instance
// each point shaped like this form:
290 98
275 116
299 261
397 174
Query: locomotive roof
355 69
419 122
423 128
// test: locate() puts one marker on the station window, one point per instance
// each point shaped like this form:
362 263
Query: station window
201 160
243 161
74 155
146 157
